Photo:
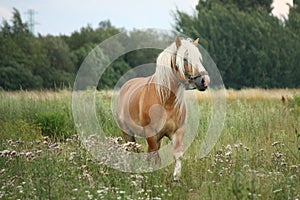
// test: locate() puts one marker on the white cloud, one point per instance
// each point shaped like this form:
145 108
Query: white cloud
5 13
281 8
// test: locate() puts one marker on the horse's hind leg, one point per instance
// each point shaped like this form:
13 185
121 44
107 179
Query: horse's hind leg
127 137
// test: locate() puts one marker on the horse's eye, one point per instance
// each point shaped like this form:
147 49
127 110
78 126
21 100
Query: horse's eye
187 75
185 60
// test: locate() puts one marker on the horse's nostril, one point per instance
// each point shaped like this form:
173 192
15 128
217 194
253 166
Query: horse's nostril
202 81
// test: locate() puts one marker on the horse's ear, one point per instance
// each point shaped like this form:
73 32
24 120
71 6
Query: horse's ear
177 41
196 42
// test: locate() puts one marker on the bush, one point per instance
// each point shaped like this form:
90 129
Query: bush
54 124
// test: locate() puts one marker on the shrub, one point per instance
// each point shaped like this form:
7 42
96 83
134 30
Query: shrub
54 124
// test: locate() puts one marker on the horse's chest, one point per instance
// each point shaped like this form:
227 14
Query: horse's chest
172 123
170 126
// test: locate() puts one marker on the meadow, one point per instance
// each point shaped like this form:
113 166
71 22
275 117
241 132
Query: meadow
256 157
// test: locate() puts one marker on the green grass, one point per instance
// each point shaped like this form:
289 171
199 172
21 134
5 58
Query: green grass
256 157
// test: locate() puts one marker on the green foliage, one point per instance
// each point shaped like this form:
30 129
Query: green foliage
53 124
58 53
113 73
145 56
28 62
81 53
294 105
250 47
29 115
23 78
19 129
256 157
247 6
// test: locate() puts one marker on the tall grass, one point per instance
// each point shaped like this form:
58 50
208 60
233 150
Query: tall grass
256 157
45 112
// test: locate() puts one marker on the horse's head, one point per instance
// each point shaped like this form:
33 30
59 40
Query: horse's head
188 65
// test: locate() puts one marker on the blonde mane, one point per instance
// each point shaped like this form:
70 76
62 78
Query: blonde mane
164 75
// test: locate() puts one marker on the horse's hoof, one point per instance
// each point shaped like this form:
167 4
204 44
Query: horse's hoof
176 177
176 182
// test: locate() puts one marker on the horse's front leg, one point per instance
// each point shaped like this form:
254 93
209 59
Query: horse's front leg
178 151
153 145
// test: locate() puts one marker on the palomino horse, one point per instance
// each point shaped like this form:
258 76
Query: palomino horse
154 107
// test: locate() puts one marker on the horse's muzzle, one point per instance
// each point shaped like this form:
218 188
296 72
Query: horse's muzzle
199 83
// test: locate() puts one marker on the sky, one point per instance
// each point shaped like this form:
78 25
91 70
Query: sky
57 17
281 8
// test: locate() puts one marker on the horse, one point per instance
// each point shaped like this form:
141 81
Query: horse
154 107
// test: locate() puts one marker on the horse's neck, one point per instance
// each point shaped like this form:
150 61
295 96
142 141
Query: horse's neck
173 94
175 85
173 81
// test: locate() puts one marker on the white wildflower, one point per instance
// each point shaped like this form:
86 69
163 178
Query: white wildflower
275 143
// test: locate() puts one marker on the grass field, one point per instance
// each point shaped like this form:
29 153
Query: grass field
256 157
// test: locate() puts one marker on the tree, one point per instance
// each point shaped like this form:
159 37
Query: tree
250 47
248 6
113 73
58 53
18 77
16 61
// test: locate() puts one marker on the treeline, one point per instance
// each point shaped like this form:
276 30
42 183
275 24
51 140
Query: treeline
51 62
29 62
250 47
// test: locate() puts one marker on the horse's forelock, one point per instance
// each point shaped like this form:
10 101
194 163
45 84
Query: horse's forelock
180 59
188 51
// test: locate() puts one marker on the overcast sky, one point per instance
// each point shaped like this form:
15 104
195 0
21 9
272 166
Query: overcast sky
65 16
